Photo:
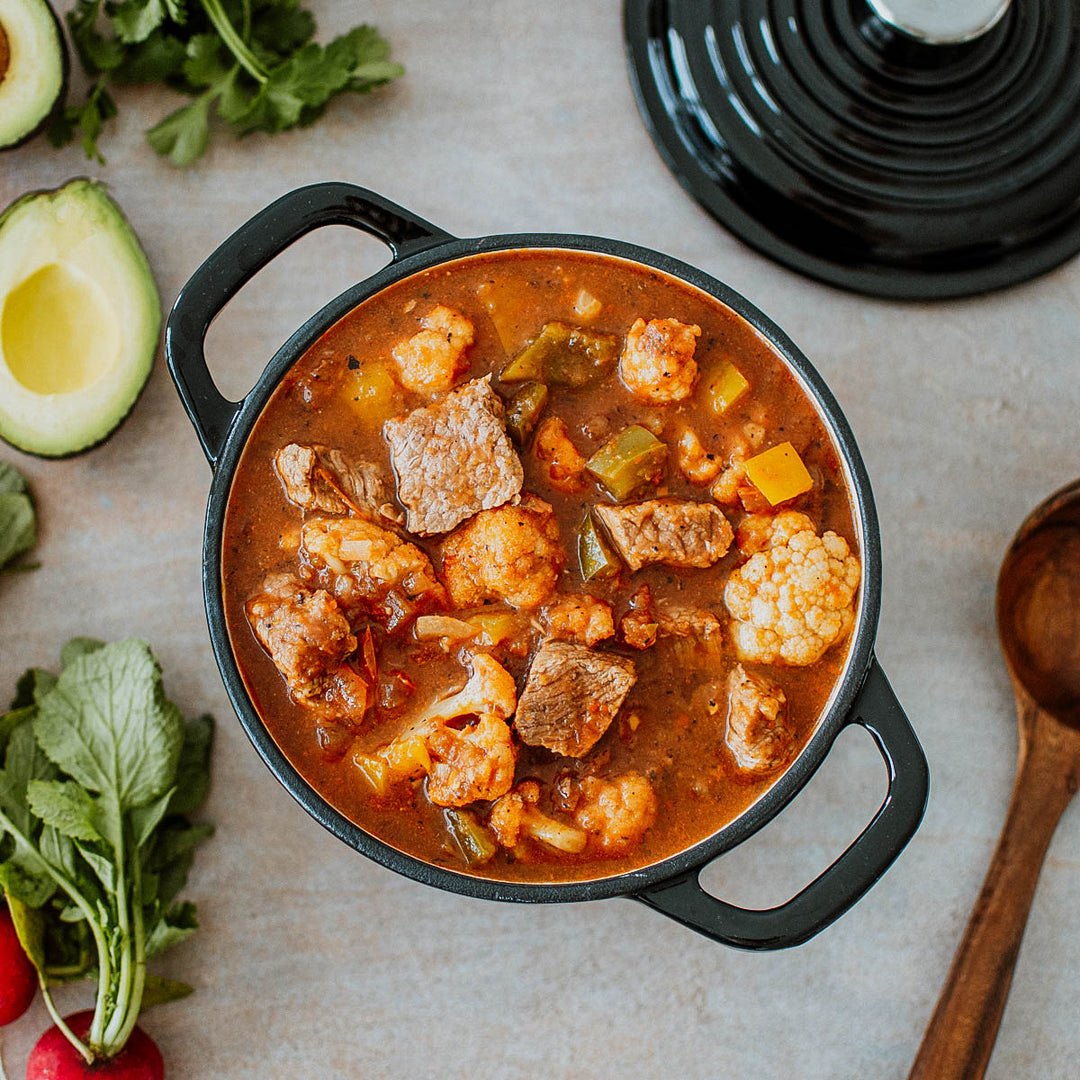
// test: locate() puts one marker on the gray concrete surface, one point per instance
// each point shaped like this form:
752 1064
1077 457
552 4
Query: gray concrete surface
315 963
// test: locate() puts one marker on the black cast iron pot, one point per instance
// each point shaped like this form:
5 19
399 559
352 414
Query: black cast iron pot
862 696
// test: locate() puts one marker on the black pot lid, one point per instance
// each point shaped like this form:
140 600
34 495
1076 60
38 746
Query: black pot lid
865 156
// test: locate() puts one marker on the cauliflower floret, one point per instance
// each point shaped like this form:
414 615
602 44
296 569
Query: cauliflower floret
657 362
511 553
698 465
490 690
462 765
639 626
759 531
515 818
758 733
435 356
580 618
794 597
616 812
370 568
562 464
476 762
725 489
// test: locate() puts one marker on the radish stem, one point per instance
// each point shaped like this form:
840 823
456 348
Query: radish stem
85 1052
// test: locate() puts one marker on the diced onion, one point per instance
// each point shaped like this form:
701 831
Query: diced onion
433 627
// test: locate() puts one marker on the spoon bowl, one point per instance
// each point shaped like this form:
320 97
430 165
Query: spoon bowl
1038 616
1038 606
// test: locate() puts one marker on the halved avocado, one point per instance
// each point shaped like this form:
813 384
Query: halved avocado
79 319
33 68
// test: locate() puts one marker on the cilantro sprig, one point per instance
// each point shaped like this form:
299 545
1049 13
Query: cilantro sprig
252 62
99 775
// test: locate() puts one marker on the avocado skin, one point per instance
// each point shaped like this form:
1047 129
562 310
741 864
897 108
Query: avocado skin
58 102
97 186
89 446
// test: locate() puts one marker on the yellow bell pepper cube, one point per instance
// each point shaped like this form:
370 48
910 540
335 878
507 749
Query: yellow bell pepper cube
407 757
371 391
375 770
402 759
779 474
724 385
494 628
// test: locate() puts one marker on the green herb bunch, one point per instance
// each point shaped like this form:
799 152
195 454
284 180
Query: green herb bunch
100 773
18 523
252 61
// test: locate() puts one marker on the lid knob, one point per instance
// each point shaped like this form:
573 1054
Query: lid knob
940 22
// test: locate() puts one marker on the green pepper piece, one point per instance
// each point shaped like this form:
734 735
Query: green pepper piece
475 840
523 411
595 557
563 356
626 461
528 365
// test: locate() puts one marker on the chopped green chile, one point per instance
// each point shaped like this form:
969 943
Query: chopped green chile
475 840
626 461
523 411
563 355
595 556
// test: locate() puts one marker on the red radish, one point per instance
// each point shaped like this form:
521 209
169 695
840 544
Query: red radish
19 982
54 1058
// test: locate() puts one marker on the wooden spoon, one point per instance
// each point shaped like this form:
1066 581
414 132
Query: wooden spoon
1038 614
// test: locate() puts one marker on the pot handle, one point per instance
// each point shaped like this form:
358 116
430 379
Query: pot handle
242 256
851 875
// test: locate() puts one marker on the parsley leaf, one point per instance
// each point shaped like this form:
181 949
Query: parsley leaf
87 119
158 58
254 59
183 135
135 20
97 52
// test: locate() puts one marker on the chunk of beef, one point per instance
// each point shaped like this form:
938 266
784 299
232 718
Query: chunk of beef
322 478
435 356
677 532
758 733
511 553
453 459
571 696
345 695
370 570
305 634
578 617
678 620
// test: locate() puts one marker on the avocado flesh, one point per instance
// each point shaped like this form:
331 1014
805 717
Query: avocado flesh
33 68
79 320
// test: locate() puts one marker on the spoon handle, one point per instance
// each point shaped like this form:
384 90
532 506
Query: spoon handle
960 1036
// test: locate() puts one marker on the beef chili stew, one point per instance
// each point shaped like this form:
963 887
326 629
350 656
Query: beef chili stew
540 565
